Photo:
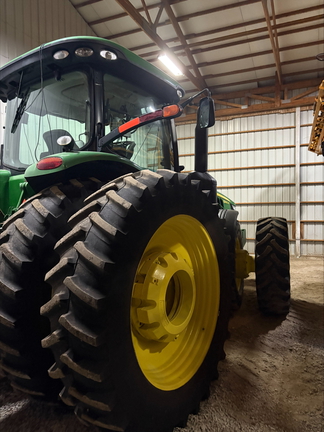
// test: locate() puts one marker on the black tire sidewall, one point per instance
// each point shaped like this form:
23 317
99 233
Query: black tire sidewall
38 256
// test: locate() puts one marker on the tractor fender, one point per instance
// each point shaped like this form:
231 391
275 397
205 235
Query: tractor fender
62 167
230 217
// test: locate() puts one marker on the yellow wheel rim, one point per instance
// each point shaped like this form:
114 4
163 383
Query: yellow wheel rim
175 302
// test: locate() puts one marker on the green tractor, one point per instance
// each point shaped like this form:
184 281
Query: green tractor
118 272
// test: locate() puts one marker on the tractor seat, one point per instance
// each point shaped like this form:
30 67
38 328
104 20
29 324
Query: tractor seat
51 137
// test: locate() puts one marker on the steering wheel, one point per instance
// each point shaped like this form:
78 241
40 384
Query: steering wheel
122 148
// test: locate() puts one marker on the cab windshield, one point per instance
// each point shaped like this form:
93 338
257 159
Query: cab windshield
41 114
47 114
149 146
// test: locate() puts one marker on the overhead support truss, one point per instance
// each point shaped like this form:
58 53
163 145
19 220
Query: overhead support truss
149 28
273 36
206 58
259 100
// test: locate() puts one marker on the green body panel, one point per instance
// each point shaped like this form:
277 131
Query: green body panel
4 193
225 202
13 190
72 159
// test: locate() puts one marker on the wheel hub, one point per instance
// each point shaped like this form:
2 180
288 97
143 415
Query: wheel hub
165 294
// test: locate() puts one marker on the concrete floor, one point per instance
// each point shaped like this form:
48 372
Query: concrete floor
271 380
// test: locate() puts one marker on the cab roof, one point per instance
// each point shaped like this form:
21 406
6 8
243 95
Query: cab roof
39 63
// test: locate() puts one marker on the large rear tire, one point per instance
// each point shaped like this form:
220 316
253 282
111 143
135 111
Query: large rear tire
149 304
272 266
26 254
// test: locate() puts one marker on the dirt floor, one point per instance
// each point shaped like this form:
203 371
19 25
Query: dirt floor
271 380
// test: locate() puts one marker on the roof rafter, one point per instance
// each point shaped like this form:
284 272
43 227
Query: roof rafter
87 3
268 89
183 41
235 43
233 35
215 88
257 48
210 32
254 109
259 53
151 33
273 39
256 68
172 2
147 13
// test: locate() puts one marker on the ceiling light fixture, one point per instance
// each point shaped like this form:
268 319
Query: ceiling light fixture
60 55
170 65
320 57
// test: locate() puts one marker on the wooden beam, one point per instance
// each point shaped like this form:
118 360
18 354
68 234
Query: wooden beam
252 109
217 9
151 33
220 102
122 14
305 93
269 89
239 42
215 88
320 70
157 18
257 31
86 3
259 97
256 39
273 15
259 53
147 13
241 71
277 91
247 149
183 41
187 17
237 71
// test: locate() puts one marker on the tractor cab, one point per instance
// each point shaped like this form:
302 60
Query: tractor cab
66 95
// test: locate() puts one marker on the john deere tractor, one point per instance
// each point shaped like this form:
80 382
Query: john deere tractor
118 272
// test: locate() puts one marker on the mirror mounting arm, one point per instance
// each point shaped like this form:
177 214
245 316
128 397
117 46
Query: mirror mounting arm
189 100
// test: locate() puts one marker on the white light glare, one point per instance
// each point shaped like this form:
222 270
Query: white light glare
170 65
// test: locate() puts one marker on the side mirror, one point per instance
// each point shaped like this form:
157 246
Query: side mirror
206 113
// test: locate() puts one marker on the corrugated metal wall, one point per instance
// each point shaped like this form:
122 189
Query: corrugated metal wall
26 24
253 160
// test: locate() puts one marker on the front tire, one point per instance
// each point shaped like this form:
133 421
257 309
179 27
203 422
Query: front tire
272 266
26 254
147 318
